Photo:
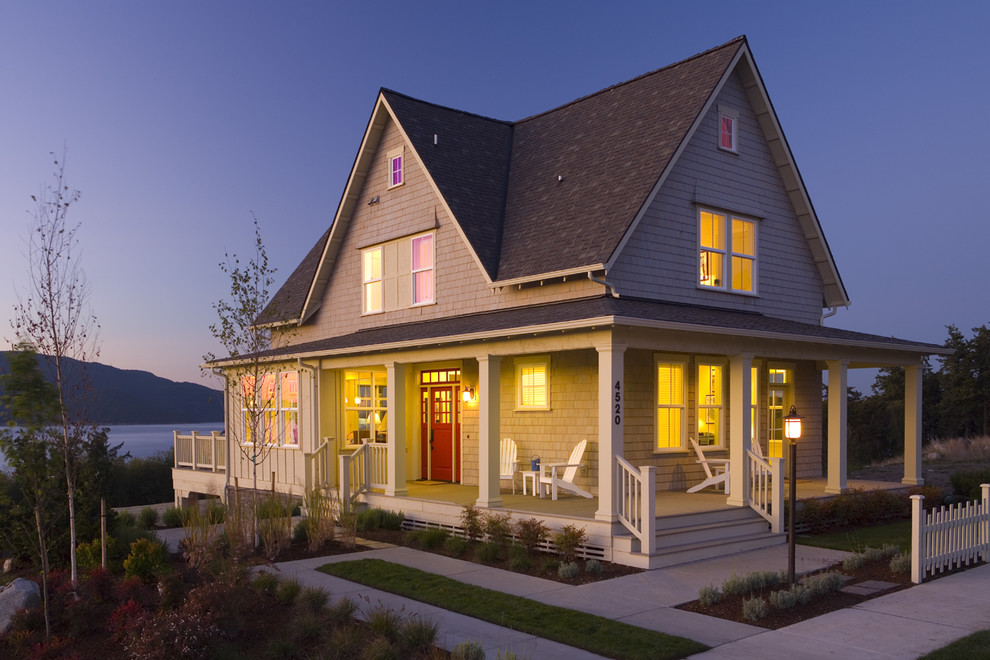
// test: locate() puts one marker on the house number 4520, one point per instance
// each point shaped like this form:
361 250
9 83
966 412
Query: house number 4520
618 403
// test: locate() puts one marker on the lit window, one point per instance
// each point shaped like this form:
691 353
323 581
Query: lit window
395 172
422 269
372 280
670 405
710 405
532 384
727 132
754 388
365 406
778 398
271 410
727 252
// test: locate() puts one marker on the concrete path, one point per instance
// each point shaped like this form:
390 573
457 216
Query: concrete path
905 624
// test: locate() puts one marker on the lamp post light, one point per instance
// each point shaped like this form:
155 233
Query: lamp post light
792 431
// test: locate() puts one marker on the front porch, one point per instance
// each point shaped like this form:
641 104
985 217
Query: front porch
687 527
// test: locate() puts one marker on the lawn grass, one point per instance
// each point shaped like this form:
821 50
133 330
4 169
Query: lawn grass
972 647
857 540
586 631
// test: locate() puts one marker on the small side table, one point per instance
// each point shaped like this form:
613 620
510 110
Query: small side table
533 476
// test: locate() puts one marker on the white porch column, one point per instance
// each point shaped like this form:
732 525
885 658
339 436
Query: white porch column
396 402
838 385
912 425
611 413
489 410
740 402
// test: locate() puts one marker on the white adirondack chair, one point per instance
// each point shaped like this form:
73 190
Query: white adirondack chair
507 462
720 474
561 475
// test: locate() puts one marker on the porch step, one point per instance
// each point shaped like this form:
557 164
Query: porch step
692 537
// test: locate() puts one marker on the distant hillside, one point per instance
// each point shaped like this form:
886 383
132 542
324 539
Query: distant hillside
120 396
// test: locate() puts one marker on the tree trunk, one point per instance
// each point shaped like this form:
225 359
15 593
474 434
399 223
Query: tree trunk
44 569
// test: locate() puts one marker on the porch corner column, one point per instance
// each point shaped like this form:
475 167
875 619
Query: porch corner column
396 405
611 404
912 425
838 419
740 402
489 410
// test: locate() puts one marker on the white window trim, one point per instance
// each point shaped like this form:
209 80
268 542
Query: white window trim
682 360
433 268
366 281
276 407
730 113
728 252
788 398
389 159
705 361
519 364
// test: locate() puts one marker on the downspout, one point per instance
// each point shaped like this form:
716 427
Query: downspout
832 311
615 293
226 435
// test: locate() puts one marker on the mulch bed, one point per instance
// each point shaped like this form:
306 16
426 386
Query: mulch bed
731 606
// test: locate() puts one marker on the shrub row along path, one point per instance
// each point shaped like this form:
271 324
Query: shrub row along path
905 624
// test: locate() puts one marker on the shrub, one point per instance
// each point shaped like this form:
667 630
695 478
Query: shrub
314 598
901 563
519 559
148 517
342 611
124 519
709 596
471 522
593 567
550 565
455 546
568 540
468 651
824 583
802 593
265 582
173 517
322 507
274 518
783 599
735 585
754 609
418 635
568 570
430 538
288 590
217 513
498 528
301 531
966 483
347 521
378 518
532 533
487 553
146 561
384 622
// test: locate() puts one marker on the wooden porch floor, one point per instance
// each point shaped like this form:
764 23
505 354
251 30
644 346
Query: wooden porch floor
668 503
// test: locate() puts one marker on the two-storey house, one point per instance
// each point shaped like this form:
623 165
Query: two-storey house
641 268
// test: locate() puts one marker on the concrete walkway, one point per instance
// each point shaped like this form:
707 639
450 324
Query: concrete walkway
905 624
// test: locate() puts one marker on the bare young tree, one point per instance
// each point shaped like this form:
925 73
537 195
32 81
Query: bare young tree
53 315
252 388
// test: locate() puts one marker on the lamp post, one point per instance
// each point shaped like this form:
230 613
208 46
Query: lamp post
792 431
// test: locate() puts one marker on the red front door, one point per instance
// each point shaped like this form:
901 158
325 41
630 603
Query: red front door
439 433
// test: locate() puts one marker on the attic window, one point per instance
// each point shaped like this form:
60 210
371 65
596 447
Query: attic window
396 175
727 129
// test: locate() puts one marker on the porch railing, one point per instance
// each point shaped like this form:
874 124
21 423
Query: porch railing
363 470
950 536
318 465
637 506
766 489
201 452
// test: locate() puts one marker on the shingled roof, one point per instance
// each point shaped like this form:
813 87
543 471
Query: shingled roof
581 173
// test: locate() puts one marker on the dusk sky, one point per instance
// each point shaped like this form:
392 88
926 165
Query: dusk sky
183 118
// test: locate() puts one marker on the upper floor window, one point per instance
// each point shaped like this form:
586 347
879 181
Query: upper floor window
533 383
727 252
422 269
727 129
395 171
371 278
670 405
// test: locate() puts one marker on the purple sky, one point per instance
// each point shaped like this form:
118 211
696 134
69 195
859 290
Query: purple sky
182 118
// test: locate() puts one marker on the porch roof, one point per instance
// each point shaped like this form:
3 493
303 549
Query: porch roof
587 313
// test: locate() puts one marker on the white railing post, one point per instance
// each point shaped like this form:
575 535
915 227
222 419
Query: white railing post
648 524
985 526
917 533
345 478
175 449
777 499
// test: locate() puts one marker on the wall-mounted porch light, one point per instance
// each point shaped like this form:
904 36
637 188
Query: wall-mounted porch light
468 395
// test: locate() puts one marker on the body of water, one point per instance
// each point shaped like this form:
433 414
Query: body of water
143 440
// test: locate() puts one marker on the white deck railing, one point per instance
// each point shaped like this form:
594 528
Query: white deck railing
950 536
201 452
637 505
766 489
363 470
318 465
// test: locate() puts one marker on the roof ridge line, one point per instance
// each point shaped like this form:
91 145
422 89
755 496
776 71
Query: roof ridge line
738 40
445 107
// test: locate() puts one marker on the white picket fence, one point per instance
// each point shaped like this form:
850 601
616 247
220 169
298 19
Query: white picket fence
949 537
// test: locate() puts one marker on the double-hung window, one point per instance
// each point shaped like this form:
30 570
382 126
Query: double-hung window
710 401
778 398
422 269
371 278
670 404
270 408
727 252
396 174
533 383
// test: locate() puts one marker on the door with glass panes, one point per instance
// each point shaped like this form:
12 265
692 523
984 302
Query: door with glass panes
440 424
